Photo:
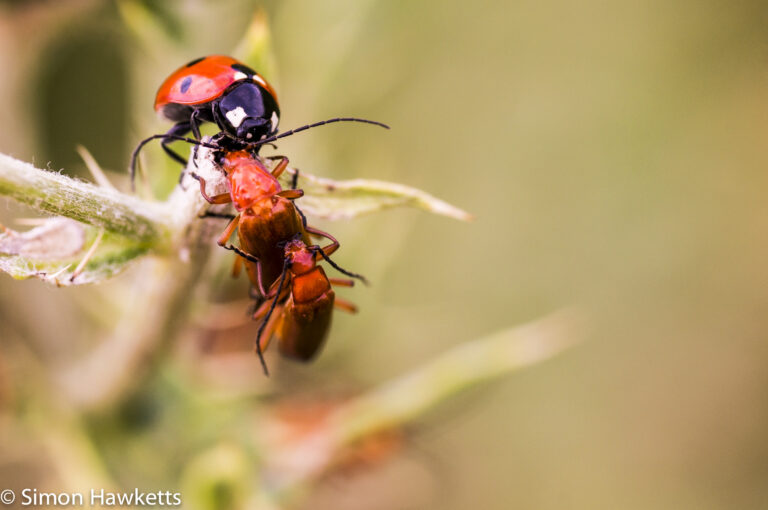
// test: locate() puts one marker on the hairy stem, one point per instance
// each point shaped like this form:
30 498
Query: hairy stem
98 206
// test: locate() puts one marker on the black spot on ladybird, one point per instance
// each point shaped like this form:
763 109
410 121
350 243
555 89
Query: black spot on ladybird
185 84
243 69
190 64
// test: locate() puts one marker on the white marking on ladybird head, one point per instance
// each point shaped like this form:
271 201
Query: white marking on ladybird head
274 121
236 116
240 76
249 135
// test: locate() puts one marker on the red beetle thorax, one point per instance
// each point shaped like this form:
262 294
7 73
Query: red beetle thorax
302 258
250 182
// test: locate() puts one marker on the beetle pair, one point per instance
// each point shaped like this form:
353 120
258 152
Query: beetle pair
297 297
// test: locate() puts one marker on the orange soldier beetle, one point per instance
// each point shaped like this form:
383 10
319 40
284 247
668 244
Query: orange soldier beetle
300 311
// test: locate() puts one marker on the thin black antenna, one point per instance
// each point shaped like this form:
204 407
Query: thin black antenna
286 264
165 136
316 124
341 269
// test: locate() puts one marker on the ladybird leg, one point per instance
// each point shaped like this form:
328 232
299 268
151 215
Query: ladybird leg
137 150
179 129
194 155
223 198
345 305
170 136
341 282
194 124
237 267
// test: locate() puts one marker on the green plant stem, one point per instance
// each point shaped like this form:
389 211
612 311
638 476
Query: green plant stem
413 394
101 207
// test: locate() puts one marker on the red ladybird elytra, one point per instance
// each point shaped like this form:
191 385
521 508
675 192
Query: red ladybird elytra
203 80
223 90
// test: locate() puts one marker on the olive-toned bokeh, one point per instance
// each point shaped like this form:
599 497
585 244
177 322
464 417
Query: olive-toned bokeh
613 154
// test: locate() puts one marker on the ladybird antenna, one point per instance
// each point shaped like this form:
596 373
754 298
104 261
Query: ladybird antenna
316 124
165 136
339 268
286 264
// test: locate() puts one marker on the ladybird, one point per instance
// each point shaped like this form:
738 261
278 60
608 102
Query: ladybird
221 90
224 91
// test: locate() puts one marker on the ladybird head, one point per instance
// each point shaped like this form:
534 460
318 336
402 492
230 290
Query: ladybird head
248 112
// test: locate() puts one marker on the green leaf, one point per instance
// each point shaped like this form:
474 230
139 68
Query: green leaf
59 248
255 48
333 200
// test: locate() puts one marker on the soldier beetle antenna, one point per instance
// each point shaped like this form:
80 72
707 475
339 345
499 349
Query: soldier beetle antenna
338 268
286 265
316 124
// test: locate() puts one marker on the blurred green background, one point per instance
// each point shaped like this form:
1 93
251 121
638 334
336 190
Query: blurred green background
614 156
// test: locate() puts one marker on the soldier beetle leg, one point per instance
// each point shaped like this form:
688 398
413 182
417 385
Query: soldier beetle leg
237 266
228 231
329 249
223 198
281 165
342 304
291 194
341 282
